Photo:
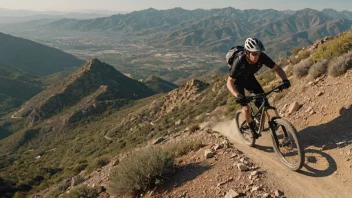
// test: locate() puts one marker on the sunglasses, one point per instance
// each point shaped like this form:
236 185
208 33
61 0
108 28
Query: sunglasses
255 53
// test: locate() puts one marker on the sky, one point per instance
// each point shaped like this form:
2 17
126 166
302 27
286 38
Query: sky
134 5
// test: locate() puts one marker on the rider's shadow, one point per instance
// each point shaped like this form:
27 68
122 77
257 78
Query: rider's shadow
333 134
318 164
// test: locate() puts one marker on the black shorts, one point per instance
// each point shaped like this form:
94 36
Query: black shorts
250 84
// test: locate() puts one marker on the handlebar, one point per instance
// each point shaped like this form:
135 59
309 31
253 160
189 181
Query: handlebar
263 95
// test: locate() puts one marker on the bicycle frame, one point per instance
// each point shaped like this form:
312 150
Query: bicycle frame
264 114
264 107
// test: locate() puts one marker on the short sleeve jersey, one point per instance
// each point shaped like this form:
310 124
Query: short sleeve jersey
241 67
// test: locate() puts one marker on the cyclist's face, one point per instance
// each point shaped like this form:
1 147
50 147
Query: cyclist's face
254 56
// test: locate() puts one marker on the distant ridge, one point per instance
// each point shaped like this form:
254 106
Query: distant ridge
34 58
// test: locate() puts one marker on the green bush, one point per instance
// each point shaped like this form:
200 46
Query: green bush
318 68
79 167
301 69
100 162
59 189
334 49
82 191
19 195
340 65
141 171
303 55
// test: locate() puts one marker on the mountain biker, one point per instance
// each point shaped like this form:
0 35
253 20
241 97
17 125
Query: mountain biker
241 76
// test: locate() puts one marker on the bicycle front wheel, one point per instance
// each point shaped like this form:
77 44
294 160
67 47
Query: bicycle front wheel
286 144
243 129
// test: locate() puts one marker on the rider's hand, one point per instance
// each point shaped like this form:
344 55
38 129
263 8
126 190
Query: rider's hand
285 84
240 99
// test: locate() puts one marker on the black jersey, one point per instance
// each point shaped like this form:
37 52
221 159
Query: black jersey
241 67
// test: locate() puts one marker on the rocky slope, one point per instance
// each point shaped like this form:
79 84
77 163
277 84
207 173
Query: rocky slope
86 88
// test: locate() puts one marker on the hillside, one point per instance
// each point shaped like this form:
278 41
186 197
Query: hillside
15 88
21 63
92 83
34 58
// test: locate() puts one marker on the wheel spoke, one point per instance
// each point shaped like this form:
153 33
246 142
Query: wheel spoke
288 148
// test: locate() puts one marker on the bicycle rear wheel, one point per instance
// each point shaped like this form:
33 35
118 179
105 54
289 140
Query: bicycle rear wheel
243 129
286 144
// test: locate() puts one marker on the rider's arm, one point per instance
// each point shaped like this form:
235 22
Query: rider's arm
280 72
271 64
231 86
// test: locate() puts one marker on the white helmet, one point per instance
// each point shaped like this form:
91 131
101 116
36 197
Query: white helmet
254 45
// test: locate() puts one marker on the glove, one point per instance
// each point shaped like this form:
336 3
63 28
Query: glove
285 84
241 99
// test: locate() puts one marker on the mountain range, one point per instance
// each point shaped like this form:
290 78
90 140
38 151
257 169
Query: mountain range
218 29
17 16
34 58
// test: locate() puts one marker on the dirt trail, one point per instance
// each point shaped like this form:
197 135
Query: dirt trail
320 176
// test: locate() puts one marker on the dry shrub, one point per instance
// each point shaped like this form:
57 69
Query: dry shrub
187 146
340 65
141 171
301 69
318 68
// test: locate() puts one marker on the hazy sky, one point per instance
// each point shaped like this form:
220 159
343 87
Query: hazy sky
131 5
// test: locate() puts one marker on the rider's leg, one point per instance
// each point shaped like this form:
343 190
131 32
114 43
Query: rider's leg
246 110
254 86
240 84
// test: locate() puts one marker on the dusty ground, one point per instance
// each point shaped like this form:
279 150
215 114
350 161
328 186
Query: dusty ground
216 176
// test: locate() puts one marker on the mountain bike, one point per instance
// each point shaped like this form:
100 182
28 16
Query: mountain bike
284 135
